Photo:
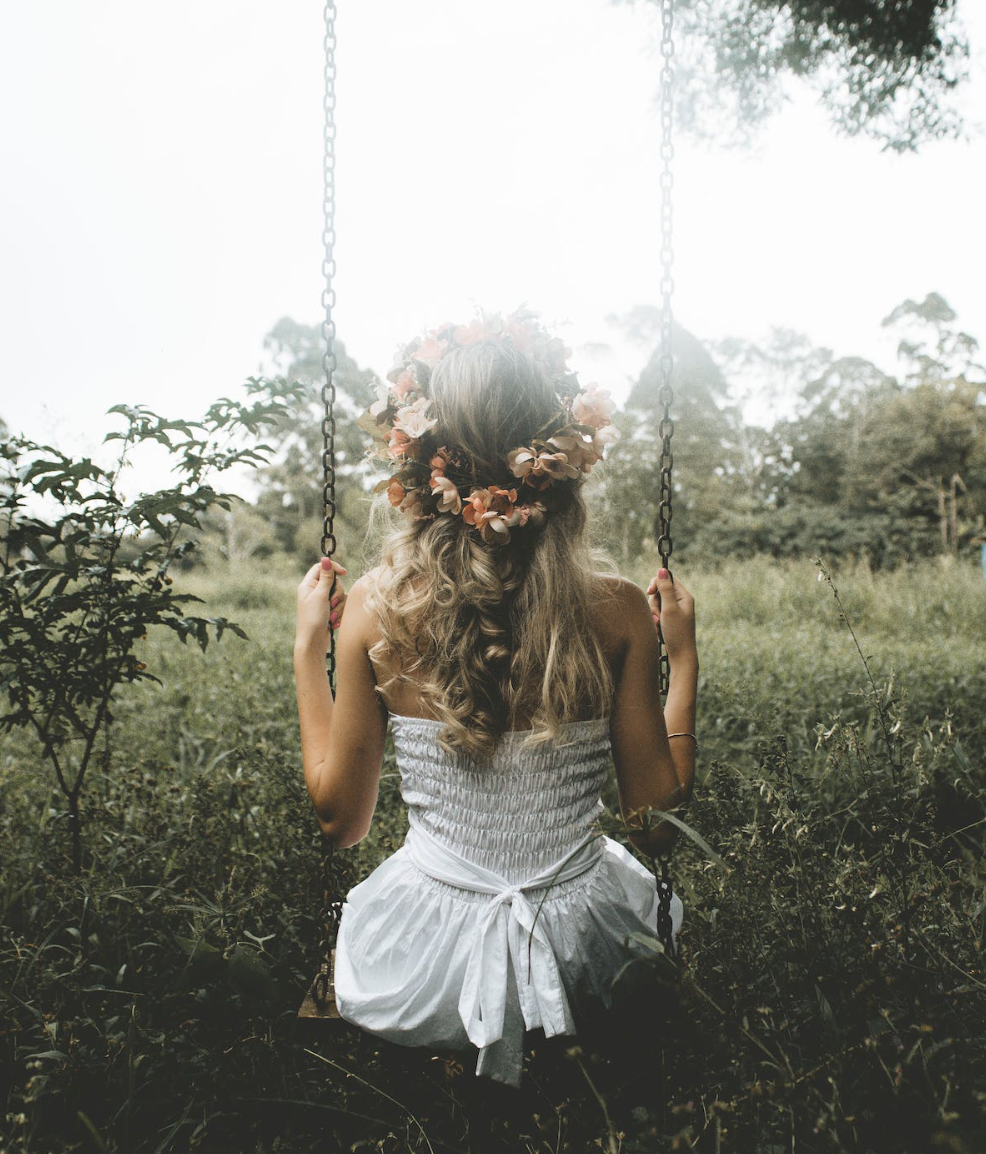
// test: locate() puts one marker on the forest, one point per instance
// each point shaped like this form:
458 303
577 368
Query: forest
882 467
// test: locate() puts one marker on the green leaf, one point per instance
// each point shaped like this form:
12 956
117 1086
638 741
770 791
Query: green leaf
695 836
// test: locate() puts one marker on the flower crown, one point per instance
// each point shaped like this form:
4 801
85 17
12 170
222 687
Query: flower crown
433 479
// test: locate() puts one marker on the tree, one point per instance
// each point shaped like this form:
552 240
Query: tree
881 69
84 571
706 443
291 497
922 451
929 344
862 462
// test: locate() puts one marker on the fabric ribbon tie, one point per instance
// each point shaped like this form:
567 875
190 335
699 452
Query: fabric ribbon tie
507 927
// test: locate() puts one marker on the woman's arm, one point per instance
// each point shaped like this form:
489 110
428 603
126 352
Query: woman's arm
673 610
342 741
652 772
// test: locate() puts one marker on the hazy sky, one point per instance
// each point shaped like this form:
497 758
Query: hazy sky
161 196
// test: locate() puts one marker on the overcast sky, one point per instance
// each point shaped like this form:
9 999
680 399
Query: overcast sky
161 197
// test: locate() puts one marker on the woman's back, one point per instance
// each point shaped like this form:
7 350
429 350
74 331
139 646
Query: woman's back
516 815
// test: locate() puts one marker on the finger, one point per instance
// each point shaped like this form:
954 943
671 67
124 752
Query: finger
329 568
310 579
664 587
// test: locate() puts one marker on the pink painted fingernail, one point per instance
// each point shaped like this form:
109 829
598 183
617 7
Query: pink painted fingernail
326 564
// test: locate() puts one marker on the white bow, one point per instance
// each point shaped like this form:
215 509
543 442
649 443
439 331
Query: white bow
507 927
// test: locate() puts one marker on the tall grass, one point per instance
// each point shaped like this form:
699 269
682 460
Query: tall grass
832 995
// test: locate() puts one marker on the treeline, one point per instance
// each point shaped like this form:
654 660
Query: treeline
858 463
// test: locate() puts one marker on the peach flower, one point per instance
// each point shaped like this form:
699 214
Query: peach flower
414 419
522 333
440 461
520 461
449 500
533 513
580 452
471 334
593 406
406 383
407 500
430 352
395 492
401 445
492 511
605 436
554 466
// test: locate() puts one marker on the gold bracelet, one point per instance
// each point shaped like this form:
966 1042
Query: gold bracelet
691 735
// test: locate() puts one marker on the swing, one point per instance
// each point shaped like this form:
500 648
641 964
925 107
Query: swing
319 1002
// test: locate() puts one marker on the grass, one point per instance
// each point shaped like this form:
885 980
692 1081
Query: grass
831 996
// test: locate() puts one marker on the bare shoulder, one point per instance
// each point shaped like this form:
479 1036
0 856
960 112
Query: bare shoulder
620 593
365 584
618 607
358 611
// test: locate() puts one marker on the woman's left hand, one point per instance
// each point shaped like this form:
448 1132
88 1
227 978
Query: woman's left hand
321 602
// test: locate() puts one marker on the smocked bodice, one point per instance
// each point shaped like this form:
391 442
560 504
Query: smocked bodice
522 811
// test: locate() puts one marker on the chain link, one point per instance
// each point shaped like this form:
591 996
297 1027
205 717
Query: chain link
331 909
666 399
665 392
665 930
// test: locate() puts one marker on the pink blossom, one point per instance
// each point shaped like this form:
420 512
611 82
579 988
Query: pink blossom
401 445
593 406
414 419
406 383
534 513
470 334
430 352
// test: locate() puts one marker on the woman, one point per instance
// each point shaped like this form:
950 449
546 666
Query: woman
511 668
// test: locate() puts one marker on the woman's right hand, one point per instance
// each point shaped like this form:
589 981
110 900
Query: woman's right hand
673 610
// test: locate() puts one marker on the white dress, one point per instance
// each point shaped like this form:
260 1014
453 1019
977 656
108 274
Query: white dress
503 910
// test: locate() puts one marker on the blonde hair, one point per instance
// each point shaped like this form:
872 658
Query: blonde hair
489 632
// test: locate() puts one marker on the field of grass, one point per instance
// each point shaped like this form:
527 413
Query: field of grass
832 992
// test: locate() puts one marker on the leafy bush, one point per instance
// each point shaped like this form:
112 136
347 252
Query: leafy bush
84 571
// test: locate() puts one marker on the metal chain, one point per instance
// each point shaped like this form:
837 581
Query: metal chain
328 304
665 931
665 392
331 909
666 398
